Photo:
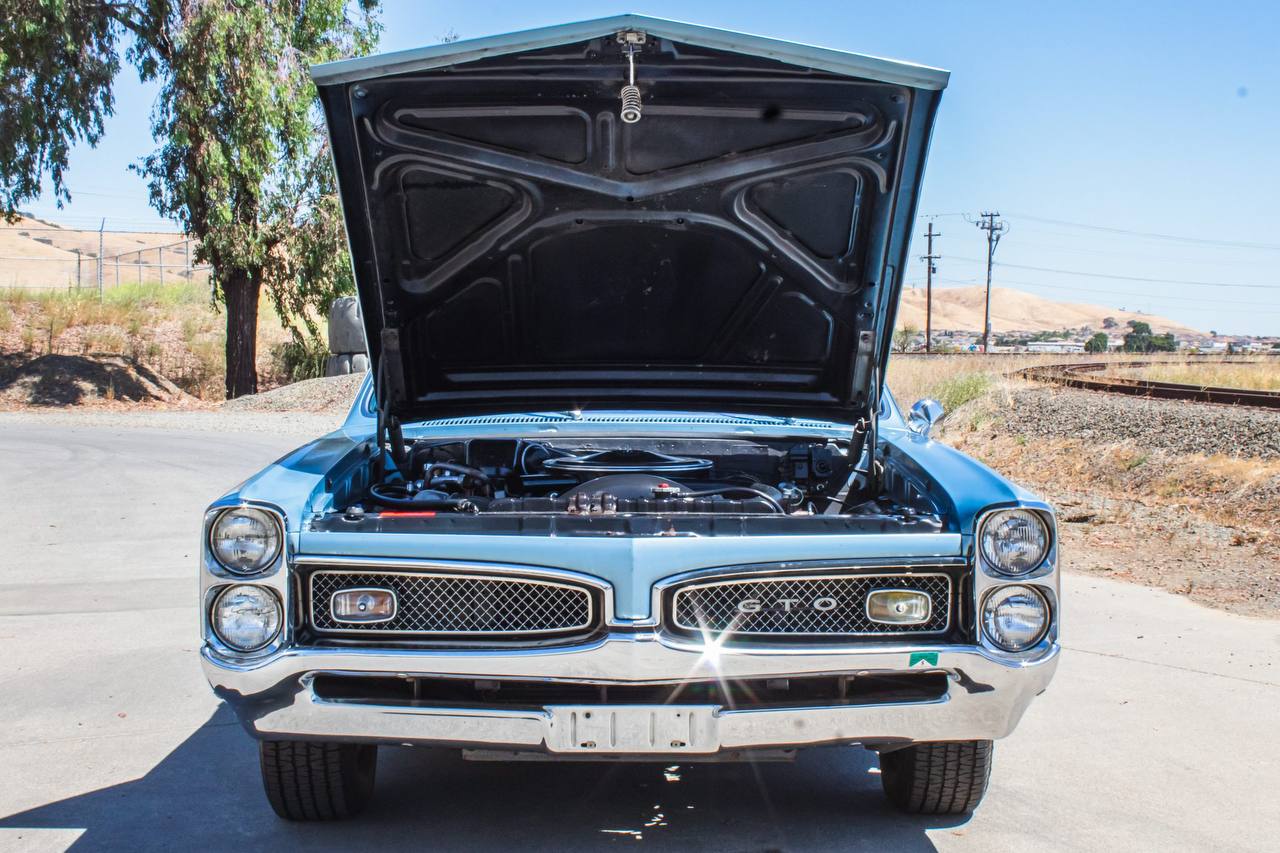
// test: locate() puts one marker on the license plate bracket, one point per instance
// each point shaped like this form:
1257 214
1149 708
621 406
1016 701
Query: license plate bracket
634 729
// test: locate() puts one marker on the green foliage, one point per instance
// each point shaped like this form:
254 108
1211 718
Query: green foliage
298 360
903 336
1056 335
1141 339
955 391
57 61
1097 343
242 161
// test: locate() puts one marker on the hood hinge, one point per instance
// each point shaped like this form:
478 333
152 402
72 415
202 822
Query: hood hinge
866 430
391 368
389 390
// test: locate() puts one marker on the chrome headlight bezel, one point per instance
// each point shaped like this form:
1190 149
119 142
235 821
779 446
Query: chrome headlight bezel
215 626
272 555
990 563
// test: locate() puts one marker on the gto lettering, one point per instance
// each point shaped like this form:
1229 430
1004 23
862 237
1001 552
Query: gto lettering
786 605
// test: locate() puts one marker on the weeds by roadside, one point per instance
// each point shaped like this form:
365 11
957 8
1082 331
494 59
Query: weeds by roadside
294 361
1261 375
173 329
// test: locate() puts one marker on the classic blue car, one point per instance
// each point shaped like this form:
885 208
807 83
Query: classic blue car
626 483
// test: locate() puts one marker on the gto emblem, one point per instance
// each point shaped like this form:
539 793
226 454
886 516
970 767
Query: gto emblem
786 605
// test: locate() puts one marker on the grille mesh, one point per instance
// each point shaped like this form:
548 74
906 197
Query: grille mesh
458 604
715 607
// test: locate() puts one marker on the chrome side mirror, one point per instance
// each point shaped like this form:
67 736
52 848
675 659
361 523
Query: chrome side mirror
924 415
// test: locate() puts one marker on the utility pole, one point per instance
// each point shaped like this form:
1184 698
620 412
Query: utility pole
101 260
995 229
929 269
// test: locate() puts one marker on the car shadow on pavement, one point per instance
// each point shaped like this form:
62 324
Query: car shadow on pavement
207 795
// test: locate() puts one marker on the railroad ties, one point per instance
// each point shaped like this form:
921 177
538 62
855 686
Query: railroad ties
1072 375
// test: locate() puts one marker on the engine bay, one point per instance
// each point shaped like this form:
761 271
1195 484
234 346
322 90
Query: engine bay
626 477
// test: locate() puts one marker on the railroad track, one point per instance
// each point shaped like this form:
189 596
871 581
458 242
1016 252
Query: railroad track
1072 375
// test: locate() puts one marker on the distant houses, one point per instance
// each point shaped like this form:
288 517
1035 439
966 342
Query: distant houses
1074 340
1055 346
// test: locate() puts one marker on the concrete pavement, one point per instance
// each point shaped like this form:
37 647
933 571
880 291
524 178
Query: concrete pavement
1159 733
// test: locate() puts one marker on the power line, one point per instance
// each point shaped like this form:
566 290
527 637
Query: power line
1145 254
1232 244
1107 291
1123 277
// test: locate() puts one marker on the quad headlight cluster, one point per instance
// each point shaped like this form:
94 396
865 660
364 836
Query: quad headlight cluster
245 541
1013 544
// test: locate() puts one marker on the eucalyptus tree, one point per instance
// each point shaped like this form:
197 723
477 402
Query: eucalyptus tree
241 161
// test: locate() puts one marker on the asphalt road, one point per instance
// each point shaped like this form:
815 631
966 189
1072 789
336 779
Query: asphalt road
1161 731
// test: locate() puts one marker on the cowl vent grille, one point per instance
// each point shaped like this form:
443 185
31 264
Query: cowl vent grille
705 420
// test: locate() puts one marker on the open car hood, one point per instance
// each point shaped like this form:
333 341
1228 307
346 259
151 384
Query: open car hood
517 247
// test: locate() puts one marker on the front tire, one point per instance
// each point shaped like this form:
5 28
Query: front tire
937 778
317 781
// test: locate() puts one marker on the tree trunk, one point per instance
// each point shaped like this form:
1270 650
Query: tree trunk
241 288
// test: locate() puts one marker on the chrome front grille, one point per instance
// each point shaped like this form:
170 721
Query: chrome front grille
441 604
805 605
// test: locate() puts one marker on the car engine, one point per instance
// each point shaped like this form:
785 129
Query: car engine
602 477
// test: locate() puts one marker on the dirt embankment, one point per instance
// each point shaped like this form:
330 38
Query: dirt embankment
1181 496
79 380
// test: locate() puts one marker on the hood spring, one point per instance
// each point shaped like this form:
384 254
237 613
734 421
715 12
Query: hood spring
630 112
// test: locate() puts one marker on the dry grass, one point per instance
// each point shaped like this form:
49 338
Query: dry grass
1227 490
174 330
1260 375
954 380
1230 490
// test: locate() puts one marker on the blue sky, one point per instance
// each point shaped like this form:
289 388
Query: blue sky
1148 118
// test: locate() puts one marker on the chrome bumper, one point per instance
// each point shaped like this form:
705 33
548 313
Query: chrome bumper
987 693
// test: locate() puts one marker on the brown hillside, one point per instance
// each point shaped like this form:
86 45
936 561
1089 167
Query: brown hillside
37 254
961 308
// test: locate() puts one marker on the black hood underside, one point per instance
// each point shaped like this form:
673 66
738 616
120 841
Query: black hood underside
517 247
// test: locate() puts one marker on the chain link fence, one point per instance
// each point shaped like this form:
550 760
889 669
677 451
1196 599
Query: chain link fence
42 257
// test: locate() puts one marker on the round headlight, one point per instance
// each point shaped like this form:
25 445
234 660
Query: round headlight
245 540
1015 617
1014 541
246 618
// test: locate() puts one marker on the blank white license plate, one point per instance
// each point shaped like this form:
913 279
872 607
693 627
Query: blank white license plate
634 728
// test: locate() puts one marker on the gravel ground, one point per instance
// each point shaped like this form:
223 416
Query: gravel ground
1167 424
309 408
331 396
302 424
